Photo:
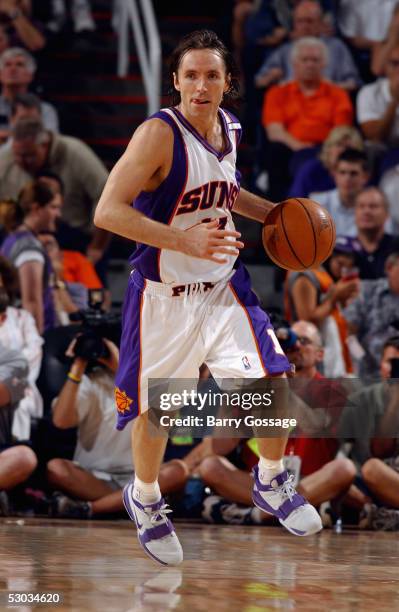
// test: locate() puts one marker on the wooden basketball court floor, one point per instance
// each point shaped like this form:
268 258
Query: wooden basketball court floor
99 566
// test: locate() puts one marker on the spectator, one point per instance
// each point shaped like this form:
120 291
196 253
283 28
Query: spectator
102 462
381 50
16 462
370 421
365 23
377 105
371 215
68 296
389 184
300 114
23 106
17 70
18 329
39 210
308 21
81 171
80 12
66 235
70 266
351 176
17 15
318 174
373 314
323 477
256 24
317 296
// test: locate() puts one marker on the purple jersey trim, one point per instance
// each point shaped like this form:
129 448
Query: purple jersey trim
219 154
272 362
238 131
160 204
128 376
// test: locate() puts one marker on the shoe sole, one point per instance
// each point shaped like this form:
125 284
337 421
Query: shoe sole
133 518
301 535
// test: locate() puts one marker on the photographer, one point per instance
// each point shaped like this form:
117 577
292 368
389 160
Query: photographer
16 462
102 463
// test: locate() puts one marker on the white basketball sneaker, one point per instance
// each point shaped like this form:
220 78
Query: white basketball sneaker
280 499
155 531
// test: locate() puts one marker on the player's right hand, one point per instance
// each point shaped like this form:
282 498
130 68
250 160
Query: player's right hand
206 241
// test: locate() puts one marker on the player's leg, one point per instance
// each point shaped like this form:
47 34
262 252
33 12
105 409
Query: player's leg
150 352
245 346
273 491
142 497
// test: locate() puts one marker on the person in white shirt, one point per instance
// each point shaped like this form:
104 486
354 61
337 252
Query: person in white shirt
378 105
365 22
19 331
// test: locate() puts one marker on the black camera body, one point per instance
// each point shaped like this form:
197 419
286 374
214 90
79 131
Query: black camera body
95 326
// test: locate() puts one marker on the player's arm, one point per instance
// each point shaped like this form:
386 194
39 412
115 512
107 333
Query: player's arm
145 164
252 206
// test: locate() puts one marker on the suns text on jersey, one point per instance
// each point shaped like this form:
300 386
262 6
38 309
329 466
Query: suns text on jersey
215 194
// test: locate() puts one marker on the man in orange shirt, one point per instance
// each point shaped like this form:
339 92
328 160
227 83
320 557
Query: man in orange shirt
299 115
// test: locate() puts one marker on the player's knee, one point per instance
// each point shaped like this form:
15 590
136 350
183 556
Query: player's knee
371 470
57 471
344 470
211 470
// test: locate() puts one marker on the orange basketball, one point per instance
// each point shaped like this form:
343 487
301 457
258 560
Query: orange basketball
298 234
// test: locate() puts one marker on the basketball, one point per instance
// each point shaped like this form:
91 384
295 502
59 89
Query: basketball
298 234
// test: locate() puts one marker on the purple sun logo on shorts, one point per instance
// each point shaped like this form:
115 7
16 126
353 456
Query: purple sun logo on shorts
246 363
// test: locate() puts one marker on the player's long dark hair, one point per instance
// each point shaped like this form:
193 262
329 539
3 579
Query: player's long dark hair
205 39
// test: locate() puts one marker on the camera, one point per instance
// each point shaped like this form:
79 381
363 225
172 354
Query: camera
95 326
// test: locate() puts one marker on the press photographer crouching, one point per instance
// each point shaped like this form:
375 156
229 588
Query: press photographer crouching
92 482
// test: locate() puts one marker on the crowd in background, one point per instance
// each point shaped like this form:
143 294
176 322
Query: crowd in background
321 89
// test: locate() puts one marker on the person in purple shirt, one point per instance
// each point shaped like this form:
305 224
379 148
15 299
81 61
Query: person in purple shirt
39 210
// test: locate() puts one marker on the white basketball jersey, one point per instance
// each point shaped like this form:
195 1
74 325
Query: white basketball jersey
202 185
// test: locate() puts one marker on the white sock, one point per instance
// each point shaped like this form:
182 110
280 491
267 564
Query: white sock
268 469
146 492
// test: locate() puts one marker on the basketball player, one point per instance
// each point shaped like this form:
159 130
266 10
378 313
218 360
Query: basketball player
189 299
